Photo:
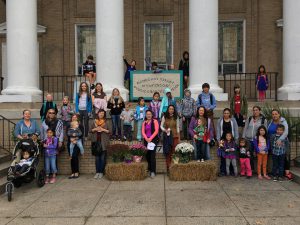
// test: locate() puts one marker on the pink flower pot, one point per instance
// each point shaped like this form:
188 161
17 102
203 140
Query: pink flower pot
137 158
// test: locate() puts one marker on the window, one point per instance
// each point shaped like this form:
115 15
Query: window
85 44
231 47
159 44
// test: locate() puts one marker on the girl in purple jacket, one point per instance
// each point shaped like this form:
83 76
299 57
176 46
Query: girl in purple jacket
50 147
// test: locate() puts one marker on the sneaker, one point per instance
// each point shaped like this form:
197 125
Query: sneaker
259 177
47 180
100 175
289 176
96 175
275 179
202 160
112 137
280 179
52 180
267 177
152 175
198 160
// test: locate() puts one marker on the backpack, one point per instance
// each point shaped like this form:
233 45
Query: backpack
210 96
262 119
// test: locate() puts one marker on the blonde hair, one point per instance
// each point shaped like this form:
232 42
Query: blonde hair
73 123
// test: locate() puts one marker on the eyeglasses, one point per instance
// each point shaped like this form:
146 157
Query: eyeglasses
51 112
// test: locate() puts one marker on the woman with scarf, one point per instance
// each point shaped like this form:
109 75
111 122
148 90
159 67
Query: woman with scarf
171 133
100 133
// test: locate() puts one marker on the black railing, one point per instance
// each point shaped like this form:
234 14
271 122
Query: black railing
7 128
248 85
1 83
294 136
60 86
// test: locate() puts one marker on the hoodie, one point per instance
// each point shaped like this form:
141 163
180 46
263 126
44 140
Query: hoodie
188 105
166 102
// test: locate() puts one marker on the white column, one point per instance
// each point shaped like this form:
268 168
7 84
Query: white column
203 47
22 57
291 48
110 45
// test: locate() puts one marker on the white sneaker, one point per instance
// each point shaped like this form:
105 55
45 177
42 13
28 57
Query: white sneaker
202 160
198 160
96 175
152 175
100 175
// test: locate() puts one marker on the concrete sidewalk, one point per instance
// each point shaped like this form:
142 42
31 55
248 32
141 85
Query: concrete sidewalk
231 201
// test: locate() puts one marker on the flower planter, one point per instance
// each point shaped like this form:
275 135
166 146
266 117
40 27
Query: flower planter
137 158
194 171
126 171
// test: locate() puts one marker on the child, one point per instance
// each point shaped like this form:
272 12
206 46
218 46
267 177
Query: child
228 147
74 133
140 112
129 67
261 146
278 153
127 116
66 111
200 136
262 83
116 106
166 102
154 106
83 105
245 155
48 104
239 106
188 109
155 68
89 70
24 163
50 145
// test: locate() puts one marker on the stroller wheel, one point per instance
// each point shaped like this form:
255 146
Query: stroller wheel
40 179
9 190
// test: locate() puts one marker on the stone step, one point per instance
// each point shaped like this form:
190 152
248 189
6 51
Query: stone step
4 168
5 157
3 181
296 174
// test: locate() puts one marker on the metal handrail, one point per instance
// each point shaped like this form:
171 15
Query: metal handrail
6 138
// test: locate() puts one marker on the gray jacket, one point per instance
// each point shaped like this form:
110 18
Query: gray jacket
250 128
234 128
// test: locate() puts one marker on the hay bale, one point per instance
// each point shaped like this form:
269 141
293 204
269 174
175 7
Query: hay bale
194 171
124 171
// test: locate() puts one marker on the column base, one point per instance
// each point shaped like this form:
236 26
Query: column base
215 89
20 98
123 91
289 92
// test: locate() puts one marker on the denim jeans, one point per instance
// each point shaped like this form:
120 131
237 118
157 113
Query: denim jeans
50 164
101 162
116 124
201 148
139 130
80 146
207 152
278 165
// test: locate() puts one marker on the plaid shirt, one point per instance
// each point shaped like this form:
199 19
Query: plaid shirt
278 150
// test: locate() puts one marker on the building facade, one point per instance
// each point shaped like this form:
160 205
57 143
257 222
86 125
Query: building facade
233 35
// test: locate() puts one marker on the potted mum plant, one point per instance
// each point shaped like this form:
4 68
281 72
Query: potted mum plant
183 152
138 151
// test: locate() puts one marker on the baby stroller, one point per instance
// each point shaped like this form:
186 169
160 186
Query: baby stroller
15 179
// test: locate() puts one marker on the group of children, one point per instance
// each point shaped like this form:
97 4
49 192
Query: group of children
263 147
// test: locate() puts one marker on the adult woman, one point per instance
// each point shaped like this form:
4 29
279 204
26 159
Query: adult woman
76 152
184 66
150 129
171 133
100 133
252 124
226 124
83 106
54 124
201 113
99 99
26 126
272 126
